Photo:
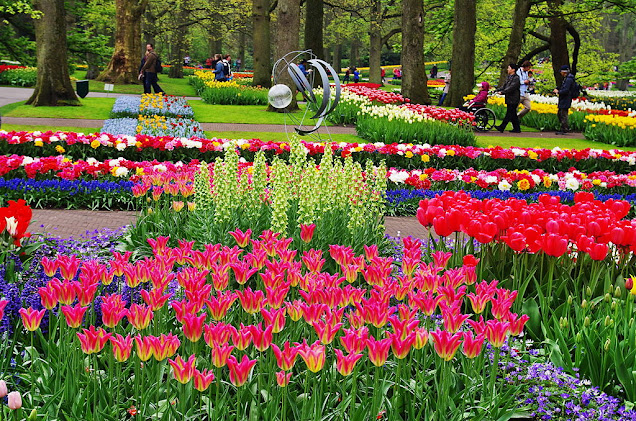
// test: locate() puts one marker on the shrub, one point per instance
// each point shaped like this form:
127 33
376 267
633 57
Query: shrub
19 77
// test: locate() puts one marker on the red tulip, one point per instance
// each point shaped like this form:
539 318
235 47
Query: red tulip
446 344
202 379
240 372
74 315
183 371
346 363
307 232
93 340
31 318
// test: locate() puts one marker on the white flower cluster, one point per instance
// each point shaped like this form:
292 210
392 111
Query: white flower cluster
611 94
393 112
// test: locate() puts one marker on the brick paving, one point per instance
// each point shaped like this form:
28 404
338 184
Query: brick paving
76 223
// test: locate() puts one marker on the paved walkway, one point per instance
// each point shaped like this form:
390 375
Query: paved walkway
76 223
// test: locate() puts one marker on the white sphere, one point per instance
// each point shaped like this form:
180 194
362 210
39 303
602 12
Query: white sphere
279 96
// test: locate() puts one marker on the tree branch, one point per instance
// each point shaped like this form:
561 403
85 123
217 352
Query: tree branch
389 34
539 36
534 52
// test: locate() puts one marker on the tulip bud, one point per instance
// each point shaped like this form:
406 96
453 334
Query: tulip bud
629 283
14 400
608 320
588 291
148 200
607 298
584 304
618 292
563 322
33 416
607 344
3 389
631 322
579 337
570 300
613 306
586 322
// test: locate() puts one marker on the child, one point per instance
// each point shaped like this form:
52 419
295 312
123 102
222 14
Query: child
480 100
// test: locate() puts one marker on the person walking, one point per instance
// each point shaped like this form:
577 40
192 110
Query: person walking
524 80
148 71
510 90
565 98
447 82
434 71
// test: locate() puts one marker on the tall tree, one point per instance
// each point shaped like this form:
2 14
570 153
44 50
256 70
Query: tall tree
463 57
522 8
375 41
53 86
287 40
413 69
124 64
314 27
558 41
262 46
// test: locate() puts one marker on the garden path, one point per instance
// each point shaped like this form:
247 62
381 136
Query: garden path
75 223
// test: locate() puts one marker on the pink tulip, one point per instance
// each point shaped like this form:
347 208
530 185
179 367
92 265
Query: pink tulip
15 400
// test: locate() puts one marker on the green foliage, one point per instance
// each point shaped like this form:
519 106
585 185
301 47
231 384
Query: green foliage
433 132
594 336
229 95
19 77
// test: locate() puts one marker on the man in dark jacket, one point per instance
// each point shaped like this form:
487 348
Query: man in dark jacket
148 71
511 91
565 98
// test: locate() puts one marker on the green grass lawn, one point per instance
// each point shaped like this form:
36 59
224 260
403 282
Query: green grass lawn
270 136
245 114
562 142
85 130
178 87
91 108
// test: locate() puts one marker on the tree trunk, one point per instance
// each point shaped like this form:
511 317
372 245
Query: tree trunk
522 8
93 69
262 46
178 43
124 64
287 40
375 42
314 27
241 49
558 41
463 56
337 62
354 59
53 86
413 68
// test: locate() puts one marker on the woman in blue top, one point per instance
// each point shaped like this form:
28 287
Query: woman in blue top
219 72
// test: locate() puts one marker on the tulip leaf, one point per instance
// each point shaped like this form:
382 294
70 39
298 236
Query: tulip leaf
531 308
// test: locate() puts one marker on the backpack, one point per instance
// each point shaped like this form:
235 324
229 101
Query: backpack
158 65
575 89
227 72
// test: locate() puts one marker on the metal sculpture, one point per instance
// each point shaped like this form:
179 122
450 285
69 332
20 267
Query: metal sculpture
280 95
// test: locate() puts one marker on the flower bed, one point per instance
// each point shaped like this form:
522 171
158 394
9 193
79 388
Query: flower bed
153 116
231 92
401 155
151 104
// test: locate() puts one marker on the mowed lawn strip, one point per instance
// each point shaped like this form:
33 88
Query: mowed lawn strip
91 108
